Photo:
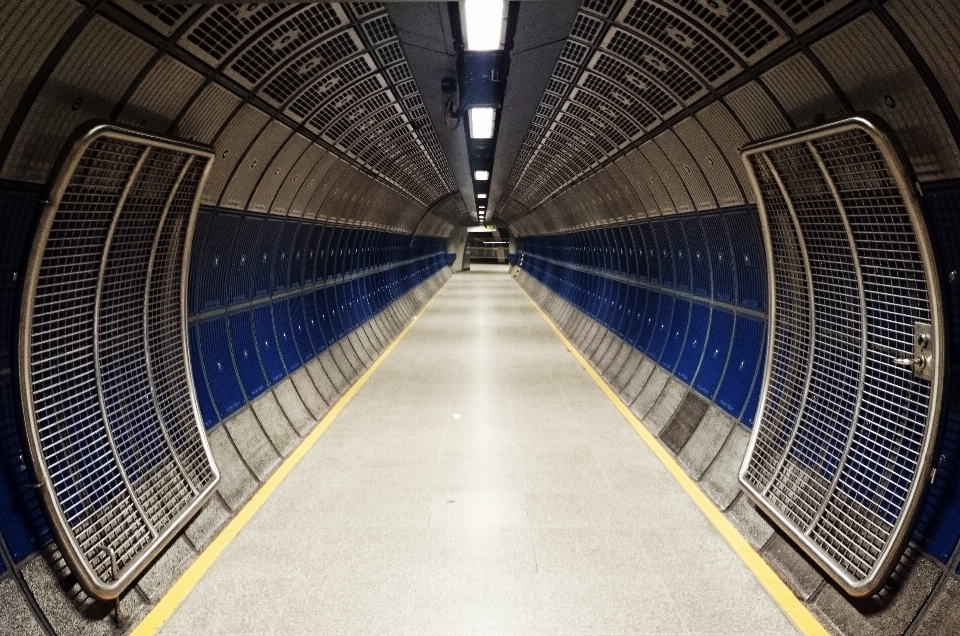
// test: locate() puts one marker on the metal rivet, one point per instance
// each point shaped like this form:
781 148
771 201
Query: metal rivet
77 103
889 101
953 275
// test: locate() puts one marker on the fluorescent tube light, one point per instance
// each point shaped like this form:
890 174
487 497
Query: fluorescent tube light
481 175
484 24
481 122
481 196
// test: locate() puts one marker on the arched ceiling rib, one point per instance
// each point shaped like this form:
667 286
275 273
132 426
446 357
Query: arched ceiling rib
651 100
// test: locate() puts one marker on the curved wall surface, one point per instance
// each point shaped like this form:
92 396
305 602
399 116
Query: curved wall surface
322 230
325 221
636 150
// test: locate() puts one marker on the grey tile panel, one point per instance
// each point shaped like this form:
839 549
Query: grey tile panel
705 441
750 523
797 572
237 483
666 406
650 392
293 407
332 369
720 480
614 357
308 392
943 614
887 618
623 370
175 560
685 421
252 443
274 422
208 523
322 383
16 617
342 359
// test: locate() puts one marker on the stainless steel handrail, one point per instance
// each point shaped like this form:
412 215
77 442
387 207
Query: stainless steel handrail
118 578
895 168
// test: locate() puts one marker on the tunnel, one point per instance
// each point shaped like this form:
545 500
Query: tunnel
732 228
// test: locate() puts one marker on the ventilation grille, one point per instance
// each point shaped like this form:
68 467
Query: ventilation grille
842 449
111 414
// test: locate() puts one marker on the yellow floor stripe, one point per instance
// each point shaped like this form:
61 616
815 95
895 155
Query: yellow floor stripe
794 609
164 609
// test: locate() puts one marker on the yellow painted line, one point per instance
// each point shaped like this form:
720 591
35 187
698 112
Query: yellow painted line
791 606
165 608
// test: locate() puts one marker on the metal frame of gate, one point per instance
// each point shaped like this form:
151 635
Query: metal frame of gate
838 458
112 423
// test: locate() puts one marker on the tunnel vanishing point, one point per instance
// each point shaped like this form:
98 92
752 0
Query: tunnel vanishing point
217 220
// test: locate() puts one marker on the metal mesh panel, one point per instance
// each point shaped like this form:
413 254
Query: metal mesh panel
270 50
111 418
842 449
169 14
225 28
585 28
652 61
330 83
598 6
630 79
741 24
311 64
680 37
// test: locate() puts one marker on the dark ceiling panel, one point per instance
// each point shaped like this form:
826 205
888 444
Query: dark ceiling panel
541 30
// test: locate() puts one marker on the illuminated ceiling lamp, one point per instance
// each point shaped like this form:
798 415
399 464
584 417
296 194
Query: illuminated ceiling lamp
481 122
484 20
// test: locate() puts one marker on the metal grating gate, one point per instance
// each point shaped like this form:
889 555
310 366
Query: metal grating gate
112 422
841 452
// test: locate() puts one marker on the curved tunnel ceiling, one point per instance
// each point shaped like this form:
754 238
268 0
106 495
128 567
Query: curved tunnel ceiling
311 108
651 100
614 111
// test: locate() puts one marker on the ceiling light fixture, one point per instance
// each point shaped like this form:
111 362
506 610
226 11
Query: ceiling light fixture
484 24
481 196
481 175
481 122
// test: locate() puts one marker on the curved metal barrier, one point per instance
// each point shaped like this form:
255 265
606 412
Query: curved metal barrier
842 449
111 415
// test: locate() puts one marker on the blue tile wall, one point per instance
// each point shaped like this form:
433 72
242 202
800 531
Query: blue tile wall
691 292
267 294
679 289
938 529
23 527
252 378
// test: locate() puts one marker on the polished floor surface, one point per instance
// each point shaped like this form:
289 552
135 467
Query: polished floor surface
480 483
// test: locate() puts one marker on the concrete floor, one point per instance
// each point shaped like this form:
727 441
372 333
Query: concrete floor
480 483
